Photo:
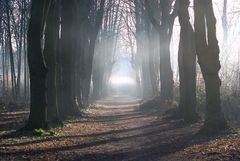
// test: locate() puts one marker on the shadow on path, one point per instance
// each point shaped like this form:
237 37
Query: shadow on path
112 131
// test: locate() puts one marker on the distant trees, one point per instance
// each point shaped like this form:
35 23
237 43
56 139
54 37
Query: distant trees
162 17
13 74
15 77
143 52
106 45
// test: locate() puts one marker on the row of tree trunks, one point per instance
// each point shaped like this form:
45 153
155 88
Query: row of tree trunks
164 26
106 45
204 44
14 20
60 70
143 42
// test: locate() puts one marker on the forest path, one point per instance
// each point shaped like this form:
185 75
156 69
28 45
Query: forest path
137 134
116 130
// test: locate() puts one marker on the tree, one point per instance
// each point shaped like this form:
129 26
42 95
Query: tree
106 45
94 26
50 53
164 25
142 41
208 58
13 74
187 65
68 17
37 67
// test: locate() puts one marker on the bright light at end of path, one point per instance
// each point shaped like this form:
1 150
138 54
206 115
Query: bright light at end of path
117 80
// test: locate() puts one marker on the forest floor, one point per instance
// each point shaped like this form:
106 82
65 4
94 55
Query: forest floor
116 130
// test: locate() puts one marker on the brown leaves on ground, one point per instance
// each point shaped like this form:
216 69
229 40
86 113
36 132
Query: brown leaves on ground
225 148
116 130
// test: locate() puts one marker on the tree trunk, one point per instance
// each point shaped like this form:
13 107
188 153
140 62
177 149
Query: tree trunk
18 85
13 75
152 63
187 65
93 32
50 52
164 26
208 58
67 50
37 117
3 62
166 73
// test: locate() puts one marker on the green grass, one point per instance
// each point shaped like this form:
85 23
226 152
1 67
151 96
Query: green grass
41 132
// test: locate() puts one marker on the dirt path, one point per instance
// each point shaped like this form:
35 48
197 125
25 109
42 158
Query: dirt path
117 130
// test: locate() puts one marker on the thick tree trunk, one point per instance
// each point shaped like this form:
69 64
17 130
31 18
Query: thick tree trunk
37 117
97 78
166 73
152 63
82 39
68 107
88 70
50 53
187 65
208 57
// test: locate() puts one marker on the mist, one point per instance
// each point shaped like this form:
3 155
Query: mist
124 80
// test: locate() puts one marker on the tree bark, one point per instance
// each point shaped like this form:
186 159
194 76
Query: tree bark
94 29
13 75
68 107
164 26
187 65
37 68
50 53
3 61
208 58
18 85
